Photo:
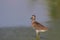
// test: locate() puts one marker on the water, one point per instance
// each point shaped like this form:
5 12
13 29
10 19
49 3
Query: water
27 33
18 12
19 33
13 13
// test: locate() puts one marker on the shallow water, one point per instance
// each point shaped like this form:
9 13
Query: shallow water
27 33
20 33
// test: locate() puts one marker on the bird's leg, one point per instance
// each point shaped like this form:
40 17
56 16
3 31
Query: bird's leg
37 35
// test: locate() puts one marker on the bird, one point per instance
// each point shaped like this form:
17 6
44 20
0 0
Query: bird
37 26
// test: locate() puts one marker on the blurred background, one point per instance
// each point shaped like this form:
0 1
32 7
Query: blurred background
15 23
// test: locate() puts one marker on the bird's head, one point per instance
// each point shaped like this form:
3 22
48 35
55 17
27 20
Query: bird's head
33 17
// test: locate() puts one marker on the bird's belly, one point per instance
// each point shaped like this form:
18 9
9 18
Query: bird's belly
41 30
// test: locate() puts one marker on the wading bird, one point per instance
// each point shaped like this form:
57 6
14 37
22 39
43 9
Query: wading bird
37 26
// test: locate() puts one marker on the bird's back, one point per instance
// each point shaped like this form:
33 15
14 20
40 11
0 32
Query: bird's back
38 26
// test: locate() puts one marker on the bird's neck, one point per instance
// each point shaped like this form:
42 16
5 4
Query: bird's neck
33 21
